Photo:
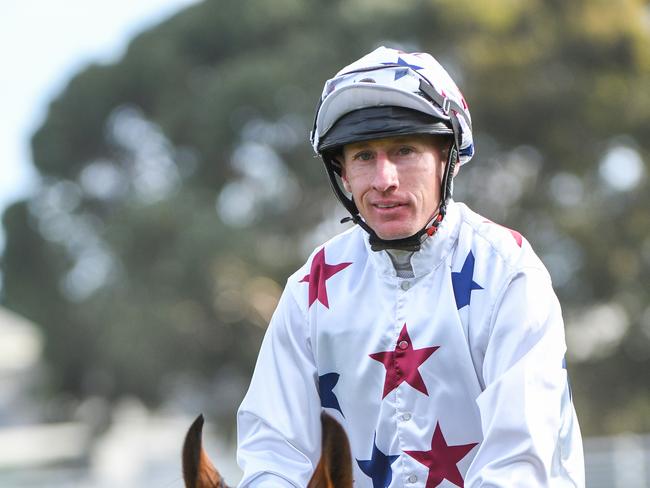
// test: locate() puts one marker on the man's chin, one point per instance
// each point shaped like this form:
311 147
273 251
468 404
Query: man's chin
393 229
388 235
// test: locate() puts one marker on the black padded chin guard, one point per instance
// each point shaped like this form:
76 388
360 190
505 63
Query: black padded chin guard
411 244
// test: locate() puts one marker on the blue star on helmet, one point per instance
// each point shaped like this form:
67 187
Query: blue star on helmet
326 384
463 282
402 72
378 467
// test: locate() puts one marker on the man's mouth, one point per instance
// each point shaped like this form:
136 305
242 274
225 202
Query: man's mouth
384 205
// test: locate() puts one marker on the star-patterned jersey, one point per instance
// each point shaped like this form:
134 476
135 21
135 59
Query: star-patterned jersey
454 377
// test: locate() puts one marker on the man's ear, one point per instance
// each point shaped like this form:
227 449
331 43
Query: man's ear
346 185
344 179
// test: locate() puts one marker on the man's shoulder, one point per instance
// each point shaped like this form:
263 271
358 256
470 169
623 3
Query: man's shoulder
486 237
344 247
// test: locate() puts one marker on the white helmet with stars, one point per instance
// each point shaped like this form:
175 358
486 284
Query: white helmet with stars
388 77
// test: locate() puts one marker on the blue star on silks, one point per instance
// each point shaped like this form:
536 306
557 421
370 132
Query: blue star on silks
403 72
378 468
326 384
463 283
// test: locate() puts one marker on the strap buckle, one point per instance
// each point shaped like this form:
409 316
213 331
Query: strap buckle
446 105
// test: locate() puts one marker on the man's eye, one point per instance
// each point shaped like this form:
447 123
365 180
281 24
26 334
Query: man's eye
405 151
363 156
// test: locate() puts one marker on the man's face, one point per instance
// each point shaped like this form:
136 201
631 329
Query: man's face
395 182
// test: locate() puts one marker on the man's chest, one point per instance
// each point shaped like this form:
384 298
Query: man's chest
395 368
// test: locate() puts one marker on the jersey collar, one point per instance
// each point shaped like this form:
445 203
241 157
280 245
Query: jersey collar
433 251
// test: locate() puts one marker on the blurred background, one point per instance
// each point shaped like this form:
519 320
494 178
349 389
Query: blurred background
157 188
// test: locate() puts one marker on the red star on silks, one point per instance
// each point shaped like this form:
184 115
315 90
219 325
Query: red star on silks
442 459
319 273
402 364
518 237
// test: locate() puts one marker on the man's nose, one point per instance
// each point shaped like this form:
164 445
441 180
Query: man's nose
385 174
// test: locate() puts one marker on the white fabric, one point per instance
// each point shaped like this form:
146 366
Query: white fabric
495 380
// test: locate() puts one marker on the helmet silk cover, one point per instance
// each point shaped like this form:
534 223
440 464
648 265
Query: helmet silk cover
388 77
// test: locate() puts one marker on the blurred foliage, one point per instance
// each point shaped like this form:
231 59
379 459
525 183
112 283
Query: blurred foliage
179 189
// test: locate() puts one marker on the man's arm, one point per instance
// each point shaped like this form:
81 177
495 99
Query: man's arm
279 419
530 434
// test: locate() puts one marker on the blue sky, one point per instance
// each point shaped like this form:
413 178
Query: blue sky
42 45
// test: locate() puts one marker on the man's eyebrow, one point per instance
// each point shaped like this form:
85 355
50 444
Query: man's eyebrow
355 146
393 140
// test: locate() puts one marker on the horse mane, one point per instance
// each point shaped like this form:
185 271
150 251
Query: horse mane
334 470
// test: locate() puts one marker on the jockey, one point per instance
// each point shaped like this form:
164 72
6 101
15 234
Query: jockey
430 333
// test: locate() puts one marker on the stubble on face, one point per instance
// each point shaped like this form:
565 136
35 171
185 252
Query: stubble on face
395 182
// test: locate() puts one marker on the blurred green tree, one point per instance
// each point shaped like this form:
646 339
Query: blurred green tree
179 189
